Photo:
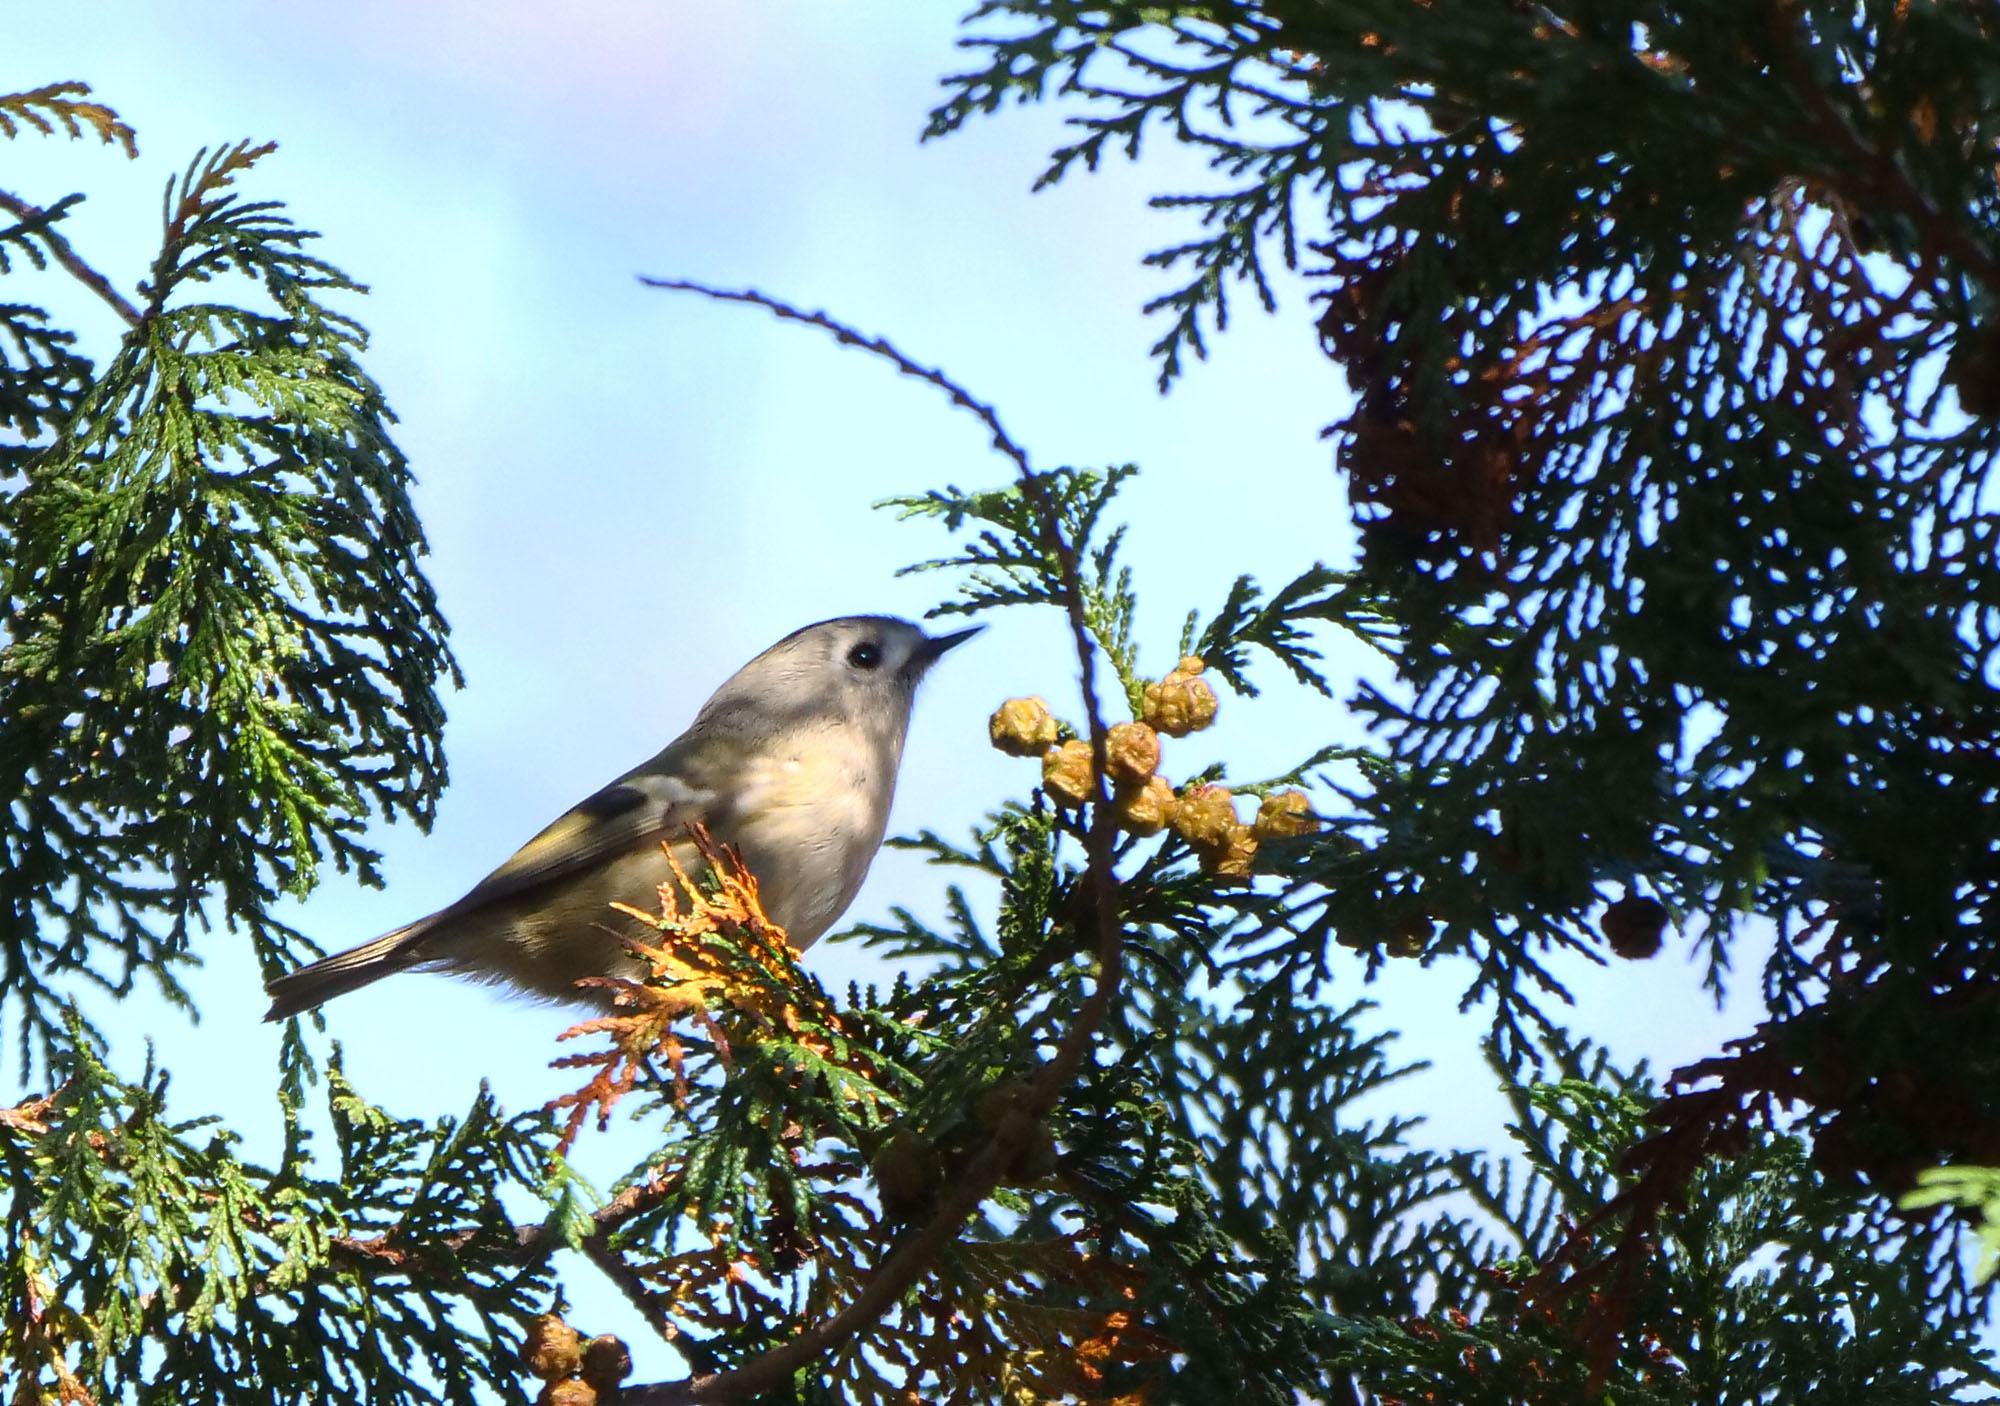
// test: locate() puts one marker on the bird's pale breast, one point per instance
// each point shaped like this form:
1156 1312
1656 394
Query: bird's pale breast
809 825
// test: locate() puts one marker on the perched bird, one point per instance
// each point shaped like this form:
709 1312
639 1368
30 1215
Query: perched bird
793 761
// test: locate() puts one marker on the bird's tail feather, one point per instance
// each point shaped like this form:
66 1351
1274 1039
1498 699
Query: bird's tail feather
319 982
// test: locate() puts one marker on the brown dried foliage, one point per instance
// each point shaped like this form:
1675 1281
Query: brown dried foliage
41 1342
1073 1322
721 966
1441 463
65 105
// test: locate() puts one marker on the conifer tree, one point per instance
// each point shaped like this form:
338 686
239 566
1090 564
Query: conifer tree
1672 529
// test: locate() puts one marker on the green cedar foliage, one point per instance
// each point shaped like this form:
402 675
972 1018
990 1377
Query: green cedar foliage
1103 1146
1671 331
1201 1216
1765 1283
145 1260
220 656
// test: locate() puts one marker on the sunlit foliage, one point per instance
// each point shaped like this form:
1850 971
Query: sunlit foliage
1667 328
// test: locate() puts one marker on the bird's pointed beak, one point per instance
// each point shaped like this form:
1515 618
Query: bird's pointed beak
933 648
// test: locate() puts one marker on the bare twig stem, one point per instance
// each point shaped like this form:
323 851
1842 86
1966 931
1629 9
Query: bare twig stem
847 336
69 258
629 1282
391 1254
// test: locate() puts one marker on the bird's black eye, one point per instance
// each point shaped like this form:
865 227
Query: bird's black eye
865 655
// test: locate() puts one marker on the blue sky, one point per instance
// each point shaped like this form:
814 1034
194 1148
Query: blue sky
629 493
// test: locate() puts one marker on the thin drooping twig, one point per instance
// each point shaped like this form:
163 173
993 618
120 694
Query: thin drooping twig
847 336
906 1263
69 258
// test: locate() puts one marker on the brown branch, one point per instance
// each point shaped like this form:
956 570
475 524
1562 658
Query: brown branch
907 1262
632 1201
69 258
913 1254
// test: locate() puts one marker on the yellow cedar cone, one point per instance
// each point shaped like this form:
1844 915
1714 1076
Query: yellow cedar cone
1145 810
1067 773
1178 704
1131 753
1190 665
568 1392
1286 813
553 1350
607 1362
1231 859
1206 816
1023 727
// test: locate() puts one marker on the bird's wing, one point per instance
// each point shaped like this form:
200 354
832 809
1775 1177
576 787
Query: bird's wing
646 805
642 807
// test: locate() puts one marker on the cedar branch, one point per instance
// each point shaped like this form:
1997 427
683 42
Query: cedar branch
906 1263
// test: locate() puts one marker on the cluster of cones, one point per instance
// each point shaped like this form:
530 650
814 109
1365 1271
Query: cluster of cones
1145 801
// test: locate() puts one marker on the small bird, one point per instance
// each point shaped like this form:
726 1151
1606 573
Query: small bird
793 761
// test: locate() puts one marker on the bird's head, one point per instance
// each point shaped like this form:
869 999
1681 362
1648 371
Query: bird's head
858 669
